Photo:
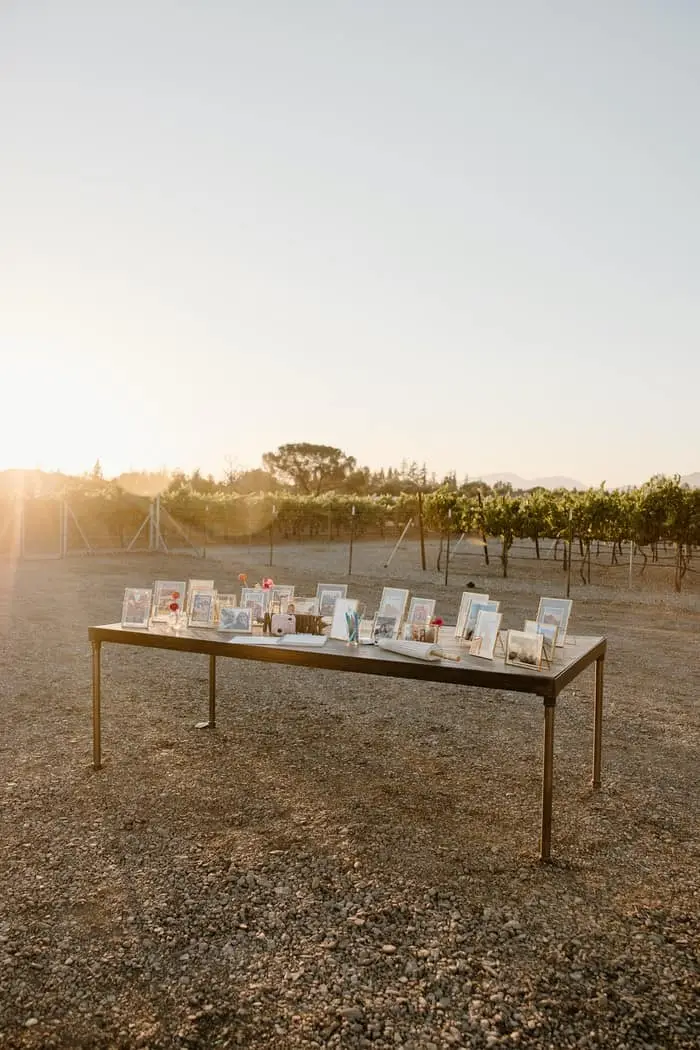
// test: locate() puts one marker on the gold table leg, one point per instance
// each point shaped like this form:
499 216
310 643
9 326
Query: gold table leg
96 698
547 775
598 720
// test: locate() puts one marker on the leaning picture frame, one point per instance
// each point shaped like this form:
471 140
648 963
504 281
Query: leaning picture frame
255 599
420 611
202 611
485 636
327 594
556 611
475 608
136 607
385 627
166 594
235 620
549 633
196 585
393 602
463 614
282 595
524 650
302 606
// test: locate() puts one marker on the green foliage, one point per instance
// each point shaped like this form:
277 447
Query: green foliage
311 469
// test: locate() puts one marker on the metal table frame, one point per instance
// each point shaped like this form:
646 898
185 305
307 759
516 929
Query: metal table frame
570 661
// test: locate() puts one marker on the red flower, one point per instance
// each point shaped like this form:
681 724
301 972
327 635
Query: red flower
437 621
173 607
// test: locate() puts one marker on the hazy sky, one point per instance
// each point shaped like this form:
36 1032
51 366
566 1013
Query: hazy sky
459 232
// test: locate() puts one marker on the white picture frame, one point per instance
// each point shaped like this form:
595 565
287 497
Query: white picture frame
549 632
136 607
474 609
339 626
485 636
327 594
165 594
385 627
420 611
255 599
465 602
235 620
283 594
393 602
196 585
303 606
524 650
202 611
558 611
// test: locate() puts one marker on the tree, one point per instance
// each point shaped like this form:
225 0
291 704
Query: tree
311 469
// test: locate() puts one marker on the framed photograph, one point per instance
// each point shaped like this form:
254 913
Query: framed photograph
393 602
474 609
421 611
419 632
236 620
385 627
280 597
467 598
223 599
252 598
556 611
303 606
524 650
136 607
327 595
485 634
197 585
166 594
202 609
549 633
339 627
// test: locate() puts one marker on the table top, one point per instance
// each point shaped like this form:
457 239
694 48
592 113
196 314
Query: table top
577 653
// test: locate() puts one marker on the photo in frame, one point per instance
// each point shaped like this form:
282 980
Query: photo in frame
524 650
420 611
549 632
280 596
223 599
339 626
556 611
327 594
252 598
464 605
385 627
474 609
419 632
202 609
485 636
303 606
136 607
166 594
393 602
236 620
196 585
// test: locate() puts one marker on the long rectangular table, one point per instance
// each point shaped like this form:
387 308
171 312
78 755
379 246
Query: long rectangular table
570 661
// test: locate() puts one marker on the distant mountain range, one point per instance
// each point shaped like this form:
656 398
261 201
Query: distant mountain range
518 483
523 483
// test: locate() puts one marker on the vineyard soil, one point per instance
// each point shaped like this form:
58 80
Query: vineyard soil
345 861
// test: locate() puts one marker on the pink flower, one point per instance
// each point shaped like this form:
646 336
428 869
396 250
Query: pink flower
268 584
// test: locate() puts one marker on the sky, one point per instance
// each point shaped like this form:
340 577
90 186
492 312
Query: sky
449 231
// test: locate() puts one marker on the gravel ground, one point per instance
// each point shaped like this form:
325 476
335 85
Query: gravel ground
346 861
